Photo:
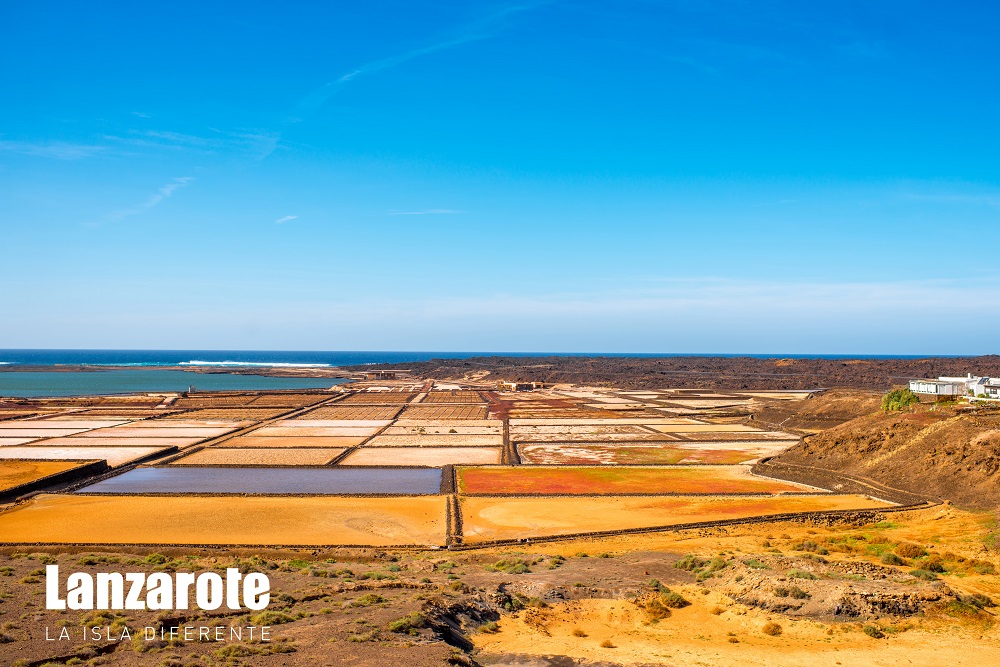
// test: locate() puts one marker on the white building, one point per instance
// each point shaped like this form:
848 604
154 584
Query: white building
940 387
970 385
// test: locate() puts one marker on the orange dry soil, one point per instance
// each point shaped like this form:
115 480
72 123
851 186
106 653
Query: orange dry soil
16 473
201 520
486 519
616 480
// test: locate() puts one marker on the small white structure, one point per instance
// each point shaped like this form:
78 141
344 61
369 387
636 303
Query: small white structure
937 387
519 386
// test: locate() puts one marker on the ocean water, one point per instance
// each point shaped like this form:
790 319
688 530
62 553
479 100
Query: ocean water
142 375
217 358
270 358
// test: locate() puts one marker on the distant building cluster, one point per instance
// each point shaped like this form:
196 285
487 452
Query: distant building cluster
385 374
520 386
947 387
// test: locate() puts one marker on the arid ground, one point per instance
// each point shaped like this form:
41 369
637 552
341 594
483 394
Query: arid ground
431 522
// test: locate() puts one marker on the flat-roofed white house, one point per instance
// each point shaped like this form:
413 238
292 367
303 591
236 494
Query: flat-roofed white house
938 388
970 385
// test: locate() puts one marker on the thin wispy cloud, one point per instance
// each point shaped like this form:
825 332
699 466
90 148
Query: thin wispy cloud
470 32
166 140
315 100
428 211
287 218
58 150
155 199
254 142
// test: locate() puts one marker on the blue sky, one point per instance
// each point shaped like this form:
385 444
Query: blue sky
553 176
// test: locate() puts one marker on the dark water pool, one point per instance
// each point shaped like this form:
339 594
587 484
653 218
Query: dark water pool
317 481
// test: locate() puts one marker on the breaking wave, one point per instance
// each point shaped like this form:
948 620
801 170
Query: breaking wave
263 364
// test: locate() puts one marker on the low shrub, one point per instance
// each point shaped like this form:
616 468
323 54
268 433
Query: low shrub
873 631
798 594
800 574
368 600
982 567
691 563
672 599
934 565
898 399
408 624
809 545
924 574
892 559
977 600
910 550
771 628
510 566
271 618
960 609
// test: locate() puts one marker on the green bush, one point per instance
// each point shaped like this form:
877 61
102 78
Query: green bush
800 574
977 600
713 566
809 545
793 592
511 566
655 610
408 624
691 563
672 599
924 574
798 594
898 399
934 564
368 600
271 618
892 559
873 631
982 567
